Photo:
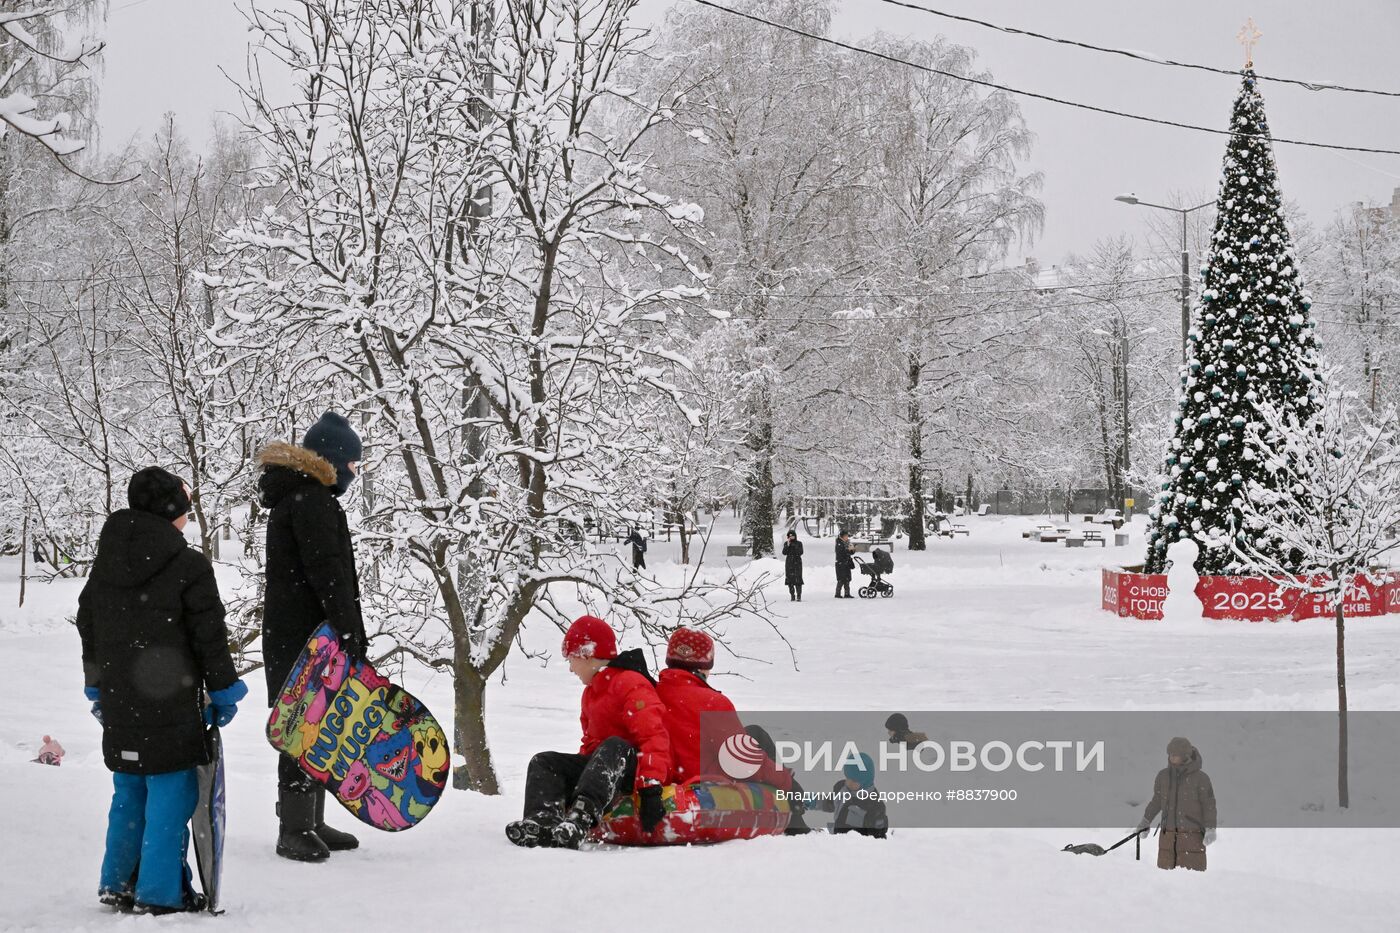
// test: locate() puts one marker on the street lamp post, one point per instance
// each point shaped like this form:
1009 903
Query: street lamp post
1185 261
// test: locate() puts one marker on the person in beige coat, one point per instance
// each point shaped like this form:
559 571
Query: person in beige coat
1184 797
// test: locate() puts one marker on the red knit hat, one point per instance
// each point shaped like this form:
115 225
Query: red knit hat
690 649
590 637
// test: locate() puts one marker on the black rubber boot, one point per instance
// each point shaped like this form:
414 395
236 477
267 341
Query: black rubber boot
576 825
335 840
534 830
194 903
122 901
296 830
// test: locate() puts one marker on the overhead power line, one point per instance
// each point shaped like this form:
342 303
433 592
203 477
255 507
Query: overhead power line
1139 56
1035 95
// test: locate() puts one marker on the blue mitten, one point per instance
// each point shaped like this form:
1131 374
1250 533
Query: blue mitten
224 703
95 695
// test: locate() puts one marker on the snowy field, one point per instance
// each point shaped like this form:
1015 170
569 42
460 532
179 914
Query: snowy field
986 622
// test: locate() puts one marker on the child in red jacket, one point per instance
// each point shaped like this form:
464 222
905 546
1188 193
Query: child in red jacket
624 747
685 691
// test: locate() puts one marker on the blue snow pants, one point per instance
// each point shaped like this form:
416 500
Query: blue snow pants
148 835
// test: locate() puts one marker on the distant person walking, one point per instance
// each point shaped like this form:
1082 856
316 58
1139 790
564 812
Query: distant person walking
639 548
844 565
792 566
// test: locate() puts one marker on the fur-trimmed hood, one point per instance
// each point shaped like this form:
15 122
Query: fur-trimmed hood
287 468
293 457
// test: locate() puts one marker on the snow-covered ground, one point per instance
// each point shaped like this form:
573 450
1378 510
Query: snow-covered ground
986 622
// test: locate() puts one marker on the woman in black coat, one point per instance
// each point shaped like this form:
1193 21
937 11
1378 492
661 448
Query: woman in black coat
154 644
792 566
311 579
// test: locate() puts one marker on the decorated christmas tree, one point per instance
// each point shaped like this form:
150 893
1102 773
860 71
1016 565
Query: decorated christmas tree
1251 341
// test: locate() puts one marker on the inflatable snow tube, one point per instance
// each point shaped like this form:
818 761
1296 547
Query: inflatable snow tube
699 813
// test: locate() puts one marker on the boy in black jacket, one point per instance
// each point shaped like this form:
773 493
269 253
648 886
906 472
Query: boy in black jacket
153 635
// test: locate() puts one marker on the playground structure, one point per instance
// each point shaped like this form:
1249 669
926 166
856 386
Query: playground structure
870 517
866 517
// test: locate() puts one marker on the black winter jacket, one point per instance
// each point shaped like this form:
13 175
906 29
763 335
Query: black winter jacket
860 811
152 628
845 563
311 575
792 563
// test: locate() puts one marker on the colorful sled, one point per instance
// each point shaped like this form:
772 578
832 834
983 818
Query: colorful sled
207 824
699 813
371 743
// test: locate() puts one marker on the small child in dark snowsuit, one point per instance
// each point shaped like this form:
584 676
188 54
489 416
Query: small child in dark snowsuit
856 801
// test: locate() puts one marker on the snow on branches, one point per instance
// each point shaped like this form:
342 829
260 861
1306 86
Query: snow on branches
470 261
1330 507
22 54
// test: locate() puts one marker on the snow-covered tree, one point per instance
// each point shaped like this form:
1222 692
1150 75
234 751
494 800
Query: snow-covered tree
503 368
38 63
948 199
1110 336
111 367
768 140
1324 508
1358 281
1251 344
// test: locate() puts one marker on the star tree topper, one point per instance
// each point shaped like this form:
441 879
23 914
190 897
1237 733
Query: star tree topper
1249 36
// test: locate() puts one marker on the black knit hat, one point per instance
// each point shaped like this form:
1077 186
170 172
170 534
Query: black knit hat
334 439
159 492
897 722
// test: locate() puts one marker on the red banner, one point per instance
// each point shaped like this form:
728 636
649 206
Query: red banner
1133 595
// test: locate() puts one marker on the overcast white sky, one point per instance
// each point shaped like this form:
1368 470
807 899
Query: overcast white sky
165 55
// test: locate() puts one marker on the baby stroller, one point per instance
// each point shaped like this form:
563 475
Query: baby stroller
880 564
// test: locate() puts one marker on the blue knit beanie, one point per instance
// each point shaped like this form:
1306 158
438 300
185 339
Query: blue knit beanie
334 439
862 772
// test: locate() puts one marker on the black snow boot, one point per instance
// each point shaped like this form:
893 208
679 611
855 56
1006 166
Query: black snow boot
296 829
335 840
193 904
537 829
122 901
576 825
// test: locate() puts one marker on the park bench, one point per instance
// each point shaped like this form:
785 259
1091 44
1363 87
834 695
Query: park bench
865 547
1112 517
737 550
676 527
1090 536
